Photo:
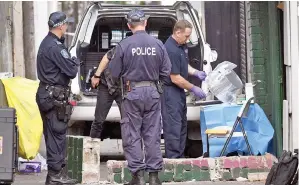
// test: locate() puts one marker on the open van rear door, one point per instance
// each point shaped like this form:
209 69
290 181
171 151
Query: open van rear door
85 27
185 11
82 36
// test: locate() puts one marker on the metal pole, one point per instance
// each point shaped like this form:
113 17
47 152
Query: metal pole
248 45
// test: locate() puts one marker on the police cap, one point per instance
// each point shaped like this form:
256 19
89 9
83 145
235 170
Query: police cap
59 18
136 15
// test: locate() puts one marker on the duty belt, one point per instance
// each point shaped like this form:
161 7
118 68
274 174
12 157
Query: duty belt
128 85
143 84
58 92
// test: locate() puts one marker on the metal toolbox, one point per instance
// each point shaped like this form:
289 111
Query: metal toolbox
8 145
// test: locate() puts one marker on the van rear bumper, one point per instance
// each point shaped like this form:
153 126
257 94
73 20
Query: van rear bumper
86 113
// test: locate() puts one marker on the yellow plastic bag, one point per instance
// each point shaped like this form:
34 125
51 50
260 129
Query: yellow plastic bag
20 93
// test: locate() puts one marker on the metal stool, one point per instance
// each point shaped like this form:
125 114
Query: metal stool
222 132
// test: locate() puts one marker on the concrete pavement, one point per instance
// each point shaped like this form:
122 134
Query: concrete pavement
39 179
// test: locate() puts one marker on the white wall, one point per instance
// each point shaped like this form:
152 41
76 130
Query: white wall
42 11
291 58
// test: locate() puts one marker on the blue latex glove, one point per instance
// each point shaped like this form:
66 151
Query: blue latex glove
200 74
198 92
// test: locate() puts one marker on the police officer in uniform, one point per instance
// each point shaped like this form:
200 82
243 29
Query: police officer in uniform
55 68
108 91
174 108
141 61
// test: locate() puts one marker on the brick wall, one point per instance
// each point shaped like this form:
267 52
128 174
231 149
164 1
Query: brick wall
257 25
264 56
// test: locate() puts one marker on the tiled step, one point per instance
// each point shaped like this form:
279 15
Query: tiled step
83 159
201 169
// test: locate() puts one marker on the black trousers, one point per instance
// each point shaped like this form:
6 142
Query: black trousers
54 131
104 103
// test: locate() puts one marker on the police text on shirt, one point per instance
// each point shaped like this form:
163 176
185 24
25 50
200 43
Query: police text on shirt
143 51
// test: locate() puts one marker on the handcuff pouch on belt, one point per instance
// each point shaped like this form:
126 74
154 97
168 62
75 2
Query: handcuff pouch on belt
61 103
159 86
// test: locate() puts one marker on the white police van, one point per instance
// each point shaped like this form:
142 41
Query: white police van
102 26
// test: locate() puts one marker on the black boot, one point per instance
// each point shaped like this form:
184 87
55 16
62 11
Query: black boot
137 178
154 178
58 178
96 130
66 177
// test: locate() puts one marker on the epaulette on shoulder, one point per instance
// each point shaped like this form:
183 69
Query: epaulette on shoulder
58 42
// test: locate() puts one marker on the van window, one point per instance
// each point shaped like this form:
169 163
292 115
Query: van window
194 37
118 35
154 34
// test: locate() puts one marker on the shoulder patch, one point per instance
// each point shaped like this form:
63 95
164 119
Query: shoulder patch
64 53
110 53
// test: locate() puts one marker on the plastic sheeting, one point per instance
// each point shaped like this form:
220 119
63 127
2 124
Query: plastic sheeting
38 159
20 93
257 126
223 82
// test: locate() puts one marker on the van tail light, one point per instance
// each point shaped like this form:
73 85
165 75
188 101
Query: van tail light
74 99
73 102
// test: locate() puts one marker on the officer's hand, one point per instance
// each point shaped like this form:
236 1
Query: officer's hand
95 82
200 74
198 92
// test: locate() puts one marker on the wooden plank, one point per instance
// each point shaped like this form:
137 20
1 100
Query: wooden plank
217 131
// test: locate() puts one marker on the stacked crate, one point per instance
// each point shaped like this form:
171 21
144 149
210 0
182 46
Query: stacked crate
83 159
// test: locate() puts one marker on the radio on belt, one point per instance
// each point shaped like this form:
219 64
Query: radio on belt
8 145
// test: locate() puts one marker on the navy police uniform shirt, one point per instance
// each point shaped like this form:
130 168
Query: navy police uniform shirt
140 57
54 63
178 55
112 84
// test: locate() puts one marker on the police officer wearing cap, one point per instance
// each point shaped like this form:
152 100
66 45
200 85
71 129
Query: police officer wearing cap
141 61
55 68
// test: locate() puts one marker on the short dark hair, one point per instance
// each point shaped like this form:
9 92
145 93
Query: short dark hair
135 24
182 25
